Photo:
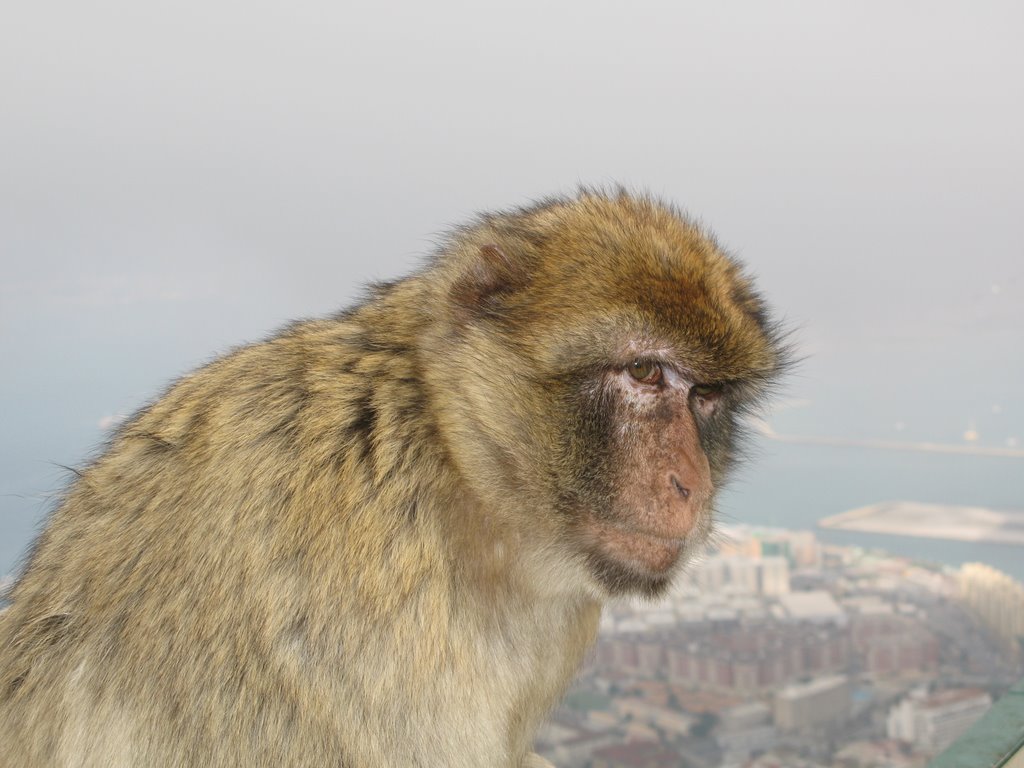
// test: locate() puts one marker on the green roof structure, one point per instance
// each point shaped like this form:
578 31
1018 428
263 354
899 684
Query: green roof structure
995 741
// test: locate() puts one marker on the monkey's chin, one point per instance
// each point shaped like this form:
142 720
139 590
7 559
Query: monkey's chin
626 560
646 552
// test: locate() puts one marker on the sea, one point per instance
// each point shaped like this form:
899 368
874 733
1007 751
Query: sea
790 485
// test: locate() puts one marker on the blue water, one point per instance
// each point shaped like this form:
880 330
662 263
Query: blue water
794 486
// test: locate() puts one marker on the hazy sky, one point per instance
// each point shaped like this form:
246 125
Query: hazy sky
177 178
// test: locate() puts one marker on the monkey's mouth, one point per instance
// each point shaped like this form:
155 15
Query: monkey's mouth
647 551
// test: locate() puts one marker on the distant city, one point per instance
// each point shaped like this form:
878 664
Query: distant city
780 650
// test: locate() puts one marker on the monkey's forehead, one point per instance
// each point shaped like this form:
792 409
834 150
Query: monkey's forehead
650 285
609 275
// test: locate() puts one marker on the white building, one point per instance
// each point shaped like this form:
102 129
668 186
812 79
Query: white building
816 606
933 722
997 599
823 700
774 576
738 575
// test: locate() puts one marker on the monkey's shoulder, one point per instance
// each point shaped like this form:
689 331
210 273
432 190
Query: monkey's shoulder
313 376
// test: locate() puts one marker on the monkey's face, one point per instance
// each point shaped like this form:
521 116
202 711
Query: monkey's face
636 482
625 347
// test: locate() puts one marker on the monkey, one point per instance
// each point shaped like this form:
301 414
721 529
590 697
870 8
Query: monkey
384 538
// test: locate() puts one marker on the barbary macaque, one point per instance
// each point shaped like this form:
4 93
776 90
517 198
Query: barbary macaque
383 539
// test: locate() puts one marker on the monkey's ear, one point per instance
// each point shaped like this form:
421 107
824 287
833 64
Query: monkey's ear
491 276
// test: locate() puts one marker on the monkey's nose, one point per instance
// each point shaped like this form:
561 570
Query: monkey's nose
681 489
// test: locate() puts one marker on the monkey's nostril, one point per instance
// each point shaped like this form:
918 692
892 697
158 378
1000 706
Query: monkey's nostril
684 492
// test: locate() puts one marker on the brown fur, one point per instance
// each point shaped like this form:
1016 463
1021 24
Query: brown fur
370 540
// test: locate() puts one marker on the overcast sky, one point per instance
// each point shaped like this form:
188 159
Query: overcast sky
178 178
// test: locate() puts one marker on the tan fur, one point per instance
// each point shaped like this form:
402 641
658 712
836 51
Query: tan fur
341 546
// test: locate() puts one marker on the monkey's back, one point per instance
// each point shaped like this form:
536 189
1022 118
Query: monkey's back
228 544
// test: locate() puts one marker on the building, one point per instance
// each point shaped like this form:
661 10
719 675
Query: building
744 731
641 754
805 705
774 576
875 754
800 548
742 658
667 720
570 745
739 575
931 722
892 645
996 599
816 607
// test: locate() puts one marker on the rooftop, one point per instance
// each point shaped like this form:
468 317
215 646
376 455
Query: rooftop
816 605
814 686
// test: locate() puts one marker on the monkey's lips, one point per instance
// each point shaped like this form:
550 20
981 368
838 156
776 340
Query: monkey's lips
649 551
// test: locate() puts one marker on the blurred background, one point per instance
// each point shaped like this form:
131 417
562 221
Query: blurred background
180 178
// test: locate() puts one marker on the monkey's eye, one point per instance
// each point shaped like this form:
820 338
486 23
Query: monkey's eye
645 371
705 397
